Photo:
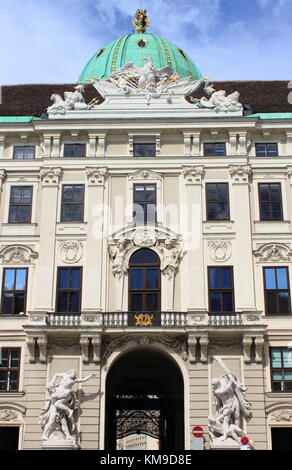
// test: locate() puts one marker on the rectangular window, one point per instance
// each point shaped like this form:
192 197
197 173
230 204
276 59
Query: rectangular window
221 293
20 205
144 150
144 204
214 149
26 152
14 291
270 200
74 150
72 208
9 369
69 290
281 369
267 150
277 291
217 196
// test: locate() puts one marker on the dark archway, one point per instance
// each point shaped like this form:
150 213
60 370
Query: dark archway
145 396
144 281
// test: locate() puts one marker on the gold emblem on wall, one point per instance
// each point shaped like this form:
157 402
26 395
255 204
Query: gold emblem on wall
143 319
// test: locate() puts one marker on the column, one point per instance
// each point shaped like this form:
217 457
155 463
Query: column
2 142
94 267
243 273
45 282
192 233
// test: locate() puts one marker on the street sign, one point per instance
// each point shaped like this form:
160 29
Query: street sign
198 431
244 441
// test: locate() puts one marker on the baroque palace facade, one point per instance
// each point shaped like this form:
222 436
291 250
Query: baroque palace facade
146 251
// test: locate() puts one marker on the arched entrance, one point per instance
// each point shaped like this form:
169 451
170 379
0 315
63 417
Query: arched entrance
144 403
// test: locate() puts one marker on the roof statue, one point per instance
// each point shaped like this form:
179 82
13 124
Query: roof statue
218 100
73 101
147 80
141 21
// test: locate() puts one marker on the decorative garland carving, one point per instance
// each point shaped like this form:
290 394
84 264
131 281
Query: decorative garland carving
71 251
284 415
177 344
273 252
220 250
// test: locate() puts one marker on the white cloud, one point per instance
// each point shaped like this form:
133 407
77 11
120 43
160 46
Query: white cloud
48 42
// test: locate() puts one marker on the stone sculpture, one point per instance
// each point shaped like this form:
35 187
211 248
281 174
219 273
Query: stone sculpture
57 418
231 406
218 100
73 101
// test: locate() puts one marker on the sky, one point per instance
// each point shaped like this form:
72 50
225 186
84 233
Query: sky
45 41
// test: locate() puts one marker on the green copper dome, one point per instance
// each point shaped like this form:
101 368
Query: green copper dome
134 48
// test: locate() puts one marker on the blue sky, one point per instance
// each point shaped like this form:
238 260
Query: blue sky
43 41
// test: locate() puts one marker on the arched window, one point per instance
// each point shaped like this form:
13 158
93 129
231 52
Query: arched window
144 281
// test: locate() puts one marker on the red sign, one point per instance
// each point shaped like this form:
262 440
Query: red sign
244 441
198 431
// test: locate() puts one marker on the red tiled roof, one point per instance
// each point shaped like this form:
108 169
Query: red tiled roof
262 96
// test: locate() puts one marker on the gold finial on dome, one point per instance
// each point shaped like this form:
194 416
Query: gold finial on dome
141 21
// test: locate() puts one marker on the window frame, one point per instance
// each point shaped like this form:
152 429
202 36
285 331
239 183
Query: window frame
24 147
144 291
14 290
69 290
266 152
12 369
270 202
221 290
277 369
218 201
214 144
75 145
20 204
146 144
72 203
277 291
145 204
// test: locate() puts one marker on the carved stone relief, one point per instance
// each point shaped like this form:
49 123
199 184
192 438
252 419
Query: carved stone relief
273 252
71 251
219 250
17 254
284 415
8 415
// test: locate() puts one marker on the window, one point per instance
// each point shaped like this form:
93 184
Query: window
24 152
221 295
277 291
267 150
144 204
74 150
144 281
281 365
9 369
14 291
69 290
20 205
145 150
270 200
216 149
72 203
217 196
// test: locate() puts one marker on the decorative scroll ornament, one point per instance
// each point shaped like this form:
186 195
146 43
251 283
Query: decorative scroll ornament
141 22
220 250
51 175
72 101
240 173
8 415
145 175
230 406
193 174
71 251
96 175
165 242
273 252
218 101
57 418
17 254
284 415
